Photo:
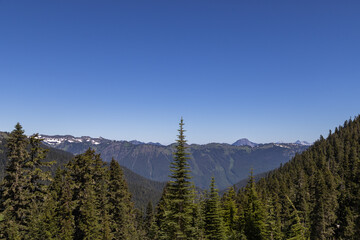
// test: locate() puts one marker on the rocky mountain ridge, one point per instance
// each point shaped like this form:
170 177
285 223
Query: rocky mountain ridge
53 140
227 163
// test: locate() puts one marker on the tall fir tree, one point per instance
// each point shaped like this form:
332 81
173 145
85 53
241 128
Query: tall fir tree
43 224
41 207
197 217
24 187
214 228
254 215
120 205
15 198
180 198
38 177
61 191
273 220
297 230
160 214
86 214
230 213
101 187
149 223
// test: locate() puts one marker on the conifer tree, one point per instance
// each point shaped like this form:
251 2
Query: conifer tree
101 179
120 205
297 230
15 198
241 200
323 214
323 185
88 226
41 206
160 214
302 200
179 207
149 220
213 216
273 220
24 188
43 224
254 215
230 211
86 214
197 217
37 176
61 191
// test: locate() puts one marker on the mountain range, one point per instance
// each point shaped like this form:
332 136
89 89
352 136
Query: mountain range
142 189
320 185
229 164
146 165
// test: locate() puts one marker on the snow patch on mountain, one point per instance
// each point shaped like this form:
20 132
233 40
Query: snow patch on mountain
305 143
56 140
281 145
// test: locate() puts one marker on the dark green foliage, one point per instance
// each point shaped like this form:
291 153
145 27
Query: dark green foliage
23 190
56 156
197 216
43 224
230 213
177 224
87 219
15 198
101 189
214 228
142 189
322 185
150 226
86 200
120 205
314 196
78 203
297 230
254 214
273 220
61 191
160 214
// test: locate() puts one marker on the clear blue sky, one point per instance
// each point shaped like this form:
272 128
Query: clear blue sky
265 70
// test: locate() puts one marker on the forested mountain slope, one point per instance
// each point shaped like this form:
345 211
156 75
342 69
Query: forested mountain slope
323 183
228 164
142 189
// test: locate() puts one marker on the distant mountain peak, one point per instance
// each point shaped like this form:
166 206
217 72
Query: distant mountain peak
57 140
244 142
152 161
136 142
305 143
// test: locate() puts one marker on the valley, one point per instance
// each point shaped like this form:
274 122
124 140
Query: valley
229 164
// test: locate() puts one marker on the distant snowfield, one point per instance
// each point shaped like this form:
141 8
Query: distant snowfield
57 140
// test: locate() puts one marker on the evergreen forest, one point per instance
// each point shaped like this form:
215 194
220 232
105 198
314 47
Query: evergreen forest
316 195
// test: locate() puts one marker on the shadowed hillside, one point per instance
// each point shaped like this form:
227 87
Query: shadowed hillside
228 164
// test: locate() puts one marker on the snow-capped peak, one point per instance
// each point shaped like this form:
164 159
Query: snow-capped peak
305 143
57 140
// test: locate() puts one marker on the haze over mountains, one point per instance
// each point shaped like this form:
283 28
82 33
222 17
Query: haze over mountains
227 163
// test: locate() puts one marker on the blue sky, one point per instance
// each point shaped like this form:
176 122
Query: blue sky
264 70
